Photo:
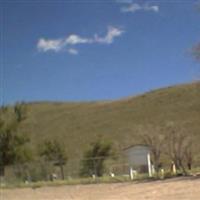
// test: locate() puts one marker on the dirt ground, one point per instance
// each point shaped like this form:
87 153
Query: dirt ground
171 189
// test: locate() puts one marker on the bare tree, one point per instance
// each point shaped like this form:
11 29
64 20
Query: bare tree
171 140
153 137
196 51
189 155
179 147
196 48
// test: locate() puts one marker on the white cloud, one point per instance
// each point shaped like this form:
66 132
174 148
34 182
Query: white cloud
133 7
151 8
75 39
47 45
56 45
109 37
124 1
72 51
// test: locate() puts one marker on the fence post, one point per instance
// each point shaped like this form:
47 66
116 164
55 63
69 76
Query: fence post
131 173
149 165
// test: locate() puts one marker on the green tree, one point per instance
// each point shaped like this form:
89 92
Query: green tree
94 158
54 152
12 144
20 111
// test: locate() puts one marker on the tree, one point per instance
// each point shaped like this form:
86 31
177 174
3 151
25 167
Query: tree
12 144
54 152
189 155
93 162
153 137
20 111
196 51
179 148
196 48
171 140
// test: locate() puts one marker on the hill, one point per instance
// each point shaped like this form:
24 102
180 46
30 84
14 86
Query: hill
78 124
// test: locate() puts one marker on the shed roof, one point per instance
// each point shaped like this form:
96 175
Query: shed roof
136 145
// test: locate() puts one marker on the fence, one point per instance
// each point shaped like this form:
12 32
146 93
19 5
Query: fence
42 170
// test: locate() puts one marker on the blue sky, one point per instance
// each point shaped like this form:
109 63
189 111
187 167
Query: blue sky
95 50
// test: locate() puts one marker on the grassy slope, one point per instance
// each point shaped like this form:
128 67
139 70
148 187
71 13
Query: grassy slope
77 124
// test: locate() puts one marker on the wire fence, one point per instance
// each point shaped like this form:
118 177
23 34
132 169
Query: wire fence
41 170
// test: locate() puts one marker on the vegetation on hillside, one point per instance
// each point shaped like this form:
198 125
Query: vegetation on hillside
166 119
